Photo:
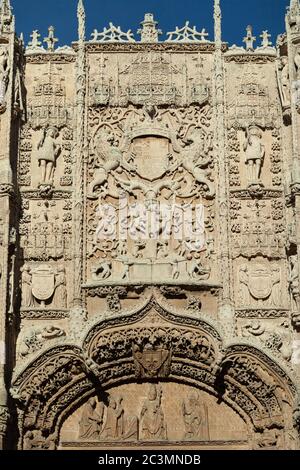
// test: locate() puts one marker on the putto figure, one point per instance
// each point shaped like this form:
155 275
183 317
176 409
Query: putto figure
48 151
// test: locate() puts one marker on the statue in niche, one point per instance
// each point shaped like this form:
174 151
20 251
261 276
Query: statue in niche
48 151
91 420
195 418
285 82
27 297
152 421
4 71
254 154
114 424
60 294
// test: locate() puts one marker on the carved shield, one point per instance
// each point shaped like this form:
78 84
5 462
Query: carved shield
43 282
151 156
260 282
152 361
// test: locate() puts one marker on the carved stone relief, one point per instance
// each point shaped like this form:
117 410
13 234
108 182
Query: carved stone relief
120 160
153 415
251 97
44 286
4 76
189 323
257 228
45 229
152 77
260 284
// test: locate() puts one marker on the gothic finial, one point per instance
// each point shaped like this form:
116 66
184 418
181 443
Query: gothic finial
6 9
218 21
294 4
249 39
265 39
149 31
81 20
5 14
51 40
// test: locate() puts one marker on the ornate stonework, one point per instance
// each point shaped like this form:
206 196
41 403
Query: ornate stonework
149 248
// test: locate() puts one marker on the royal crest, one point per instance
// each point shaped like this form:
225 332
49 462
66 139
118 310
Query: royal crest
152 362
151 156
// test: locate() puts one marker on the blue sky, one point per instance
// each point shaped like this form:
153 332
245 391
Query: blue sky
237 14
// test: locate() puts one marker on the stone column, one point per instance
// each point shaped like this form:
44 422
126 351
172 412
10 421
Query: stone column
78 202
293 38
226 311
7 46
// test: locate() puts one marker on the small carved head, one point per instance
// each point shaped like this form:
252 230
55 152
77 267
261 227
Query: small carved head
52 132
152 392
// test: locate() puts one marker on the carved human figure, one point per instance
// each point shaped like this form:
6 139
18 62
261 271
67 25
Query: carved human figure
294 282
138 248
194 417
197 271
114 423
4 70
33 440
162 249
254 153
60 293
101 270
48 151
27 297
243 288
175 267
297 63
152 422
91 420
285 82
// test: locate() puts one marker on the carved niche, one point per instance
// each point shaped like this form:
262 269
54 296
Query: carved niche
251 100
255 158
45 158
46 229
258 228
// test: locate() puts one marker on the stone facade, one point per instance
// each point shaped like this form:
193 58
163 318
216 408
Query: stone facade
149 337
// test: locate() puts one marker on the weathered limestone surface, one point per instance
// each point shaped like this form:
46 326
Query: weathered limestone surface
117 326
